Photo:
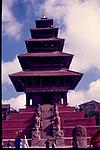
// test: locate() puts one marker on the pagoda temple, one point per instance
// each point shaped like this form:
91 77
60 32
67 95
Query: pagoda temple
45 80
46 77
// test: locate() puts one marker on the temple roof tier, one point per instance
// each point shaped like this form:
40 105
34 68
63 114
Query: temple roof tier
44 45
45 67
45 40
48 54
46 89
43 79
45 61
44 22
62 72
44 32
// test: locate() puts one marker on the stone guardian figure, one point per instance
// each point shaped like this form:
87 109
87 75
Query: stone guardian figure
79 134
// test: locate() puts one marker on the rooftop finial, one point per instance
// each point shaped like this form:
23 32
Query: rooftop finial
44 17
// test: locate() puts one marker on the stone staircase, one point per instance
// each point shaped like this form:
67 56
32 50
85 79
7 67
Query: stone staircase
24 120
48 126
46 121
47 129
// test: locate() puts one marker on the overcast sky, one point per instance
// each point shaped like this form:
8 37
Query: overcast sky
79 24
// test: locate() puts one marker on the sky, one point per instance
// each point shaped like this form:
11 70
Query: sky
79 25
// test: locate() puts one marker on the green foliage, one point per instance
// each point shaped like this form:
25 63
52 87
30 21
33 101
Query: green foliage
93 113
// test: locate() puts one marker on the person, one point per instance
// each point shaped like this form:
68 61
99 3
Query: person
47 143
9 145
95 140
53 144
17 142
2 144
25 142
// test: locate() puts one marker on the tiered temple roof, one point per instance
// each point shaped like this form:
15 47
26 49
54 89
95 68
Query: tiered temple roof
45 66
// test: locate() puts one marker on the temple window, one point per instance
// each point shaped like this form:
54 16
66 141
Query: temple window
64 121
62 101
35 82
31 102
29 81
54 82
61 81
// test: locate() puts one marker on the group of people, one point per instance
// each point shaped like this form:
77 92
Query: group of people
19 143
23 143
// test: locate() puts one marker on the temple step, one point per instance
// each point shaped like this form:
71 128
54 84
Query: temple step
46 121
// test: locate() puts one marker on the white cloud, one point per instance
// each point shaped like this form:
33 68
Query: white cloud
9 68
10 26
32 9
16 103
81 21
94 90
79 97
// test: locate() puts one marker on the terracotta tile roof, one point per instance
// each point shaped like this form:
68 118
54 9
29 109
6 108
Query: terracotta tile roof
41 40
44 28
50 54
62 72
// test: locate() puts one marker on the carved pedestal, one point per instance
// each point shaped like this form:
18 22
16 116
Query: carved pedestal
58 135
36 138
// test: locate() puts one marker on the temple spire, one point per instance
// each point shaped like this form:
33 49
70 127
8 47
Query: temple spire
44 17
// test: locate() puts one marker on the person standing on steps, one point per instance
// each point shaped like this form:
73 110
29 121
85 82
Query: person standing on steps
95 140
47 143
53 144
17 142
9 145
2 144
25 142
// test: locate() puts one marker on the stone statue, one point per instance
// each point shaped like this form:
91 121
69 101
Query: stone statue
79 135
57 121
55 107
39 107
59 133
37 122
39 111
37 133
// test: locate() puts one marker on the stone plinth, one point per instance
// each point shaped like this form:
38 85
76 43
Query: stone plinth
38 142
